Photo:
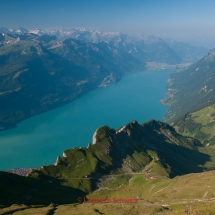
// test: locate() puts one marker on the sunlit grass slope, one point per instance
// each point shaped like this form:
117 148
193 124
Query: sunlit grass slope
199 124
193 193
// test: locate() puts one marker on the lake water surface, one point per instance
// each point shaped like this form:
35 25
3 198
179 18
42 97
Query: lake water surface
39 140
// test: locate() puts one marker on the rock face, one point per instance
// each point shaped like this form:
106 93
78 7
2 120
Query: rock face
94 137
57 161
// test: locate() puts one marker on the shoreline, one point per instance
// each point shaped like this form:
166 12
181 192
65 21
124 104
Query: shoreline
110 79
25 171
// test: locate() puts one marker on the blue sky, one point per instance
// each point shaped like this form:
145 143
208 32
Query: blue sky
186 19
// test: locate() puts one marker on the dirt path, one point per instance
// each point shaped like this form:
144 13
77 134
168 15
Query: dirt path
150 191
162 189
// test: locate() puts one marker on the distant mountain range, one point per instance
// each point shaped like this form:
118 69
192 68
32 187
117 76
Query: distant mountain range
155 48
41 70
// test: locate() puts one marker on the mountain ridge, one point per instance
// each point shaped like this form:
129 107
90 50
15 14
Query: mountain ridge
183 51
152 150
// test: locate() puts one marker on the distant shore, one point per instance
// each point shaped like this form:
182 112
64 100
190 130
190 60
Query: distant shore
164 66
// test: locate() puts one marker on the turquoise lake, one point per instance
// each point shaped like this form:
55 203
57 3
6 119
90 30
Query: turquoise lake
39 140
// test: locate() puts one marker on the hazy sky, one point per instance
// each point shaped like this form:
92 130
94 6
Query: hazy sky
186 19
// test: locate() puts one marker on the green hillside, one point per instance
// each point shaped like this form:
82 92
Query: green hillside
191 89
147 153
188 194
199 125
37 190
129 150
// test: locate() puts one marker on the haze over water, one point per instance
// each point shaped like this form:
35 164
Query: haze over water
39 140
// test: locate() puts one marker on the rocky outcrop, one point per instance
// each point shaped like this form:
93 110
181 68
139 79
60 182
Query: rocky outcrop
94 137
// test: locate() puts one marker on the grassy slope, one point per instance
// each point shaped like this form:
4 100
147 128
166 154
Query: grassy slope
38 190
199 125
136 161
191 89
153 145
192 192
13 187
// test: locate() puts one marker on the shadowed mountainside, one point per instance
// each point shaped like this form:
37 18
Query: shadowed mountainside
38 74
191 89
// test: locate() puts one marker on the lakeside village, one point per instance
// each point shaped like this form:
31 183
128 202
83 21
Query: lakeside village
21 171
